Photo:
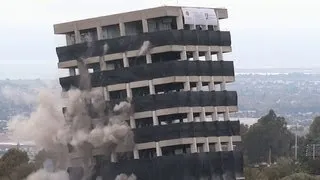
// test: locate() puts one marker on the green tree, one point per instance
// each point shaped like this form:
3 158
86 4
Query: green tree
313 137
11 160
268 136
300 176
314 130
282 168
254 174
243 129
24 170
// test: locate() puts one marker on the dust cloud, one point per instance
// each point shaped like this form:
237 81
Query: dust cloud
82 120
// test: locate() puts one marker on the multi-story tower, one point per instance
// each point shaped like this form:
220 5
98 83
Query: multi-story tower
169 61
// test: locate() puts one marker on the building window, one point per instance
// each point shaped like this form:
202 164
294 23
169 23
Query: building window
144 122
71 38
200 147
167 88
133 28
162 24
135 61
172 119
176 150
212 147
165 57
142 91
115 64
224 146
147 153
88 35
120 94
112 31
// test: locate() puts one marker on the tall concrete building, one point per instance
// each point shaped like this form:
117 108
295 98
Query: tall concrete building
169 62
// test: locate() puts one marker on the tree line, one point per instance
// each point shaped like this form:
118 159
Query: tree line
268 149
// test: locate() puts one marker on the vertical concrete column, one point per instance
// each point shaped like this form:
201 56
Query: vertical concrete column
226 114
113 157
148 57
215 114
218 145
151 87
122 28
208 55
99 33
203 114
72 71
220 54
205 27
193 146
135 153
145 25
211 84
223 84
190 115
183 54
132 122
106 94
125 60
230 144
187 84
77 34
155 118
128 90
103 64
179 20
158 149
199 84
196 54
206 147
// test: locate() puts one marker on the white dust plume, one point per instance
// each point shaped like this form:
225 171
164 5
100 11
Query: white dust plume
126 177
45 175
80 121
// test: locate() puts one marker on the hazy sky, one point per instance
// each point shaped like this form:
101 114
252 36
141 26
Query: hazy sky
265 33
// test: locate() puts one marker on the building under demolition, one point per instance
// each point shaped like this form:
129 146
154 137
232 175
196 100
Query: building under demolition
169 62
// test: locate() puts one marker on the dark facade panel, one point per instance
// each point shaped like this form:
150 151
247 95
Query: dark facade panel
152 71
182 99
211 165
186 130
134 42
176 99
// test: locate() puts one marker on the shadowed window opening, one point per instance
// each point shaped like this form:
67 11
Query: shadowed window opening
147 153
112 31
162 24
144 122
89 35
172 119
120 94
142 91
175 150
165 57
133 28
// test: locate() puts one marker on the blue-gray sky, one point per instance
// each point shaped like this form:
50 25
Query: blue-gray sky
265 33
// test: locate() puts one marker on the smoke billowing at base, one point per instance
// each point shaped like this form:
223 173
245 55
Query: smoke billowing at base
85 124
